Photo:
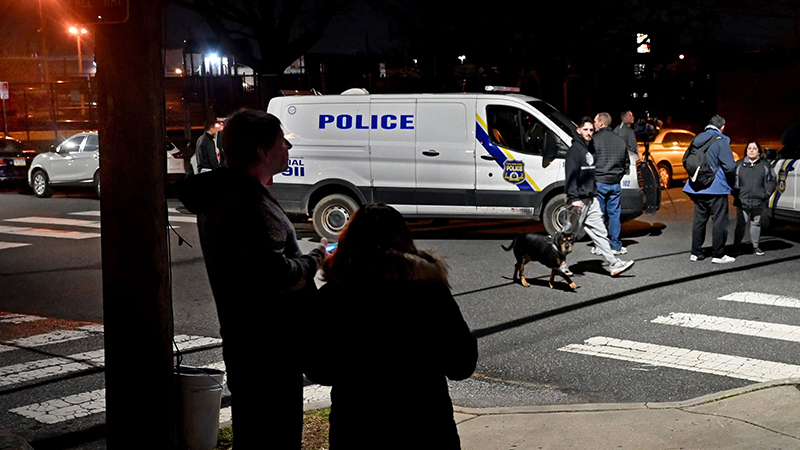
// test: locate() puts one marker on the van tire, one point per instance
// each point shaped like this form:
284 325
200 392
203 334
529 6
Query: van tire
331 215
555 213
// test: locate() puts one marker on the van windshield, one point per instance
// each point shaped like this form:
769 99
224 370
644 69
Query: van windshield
556 116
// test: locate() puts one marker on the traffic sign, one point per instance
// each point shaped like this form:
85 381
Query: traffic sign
100 11
3 90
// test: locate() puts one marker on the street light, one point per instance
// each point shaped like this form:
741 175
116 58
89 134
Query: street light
78 32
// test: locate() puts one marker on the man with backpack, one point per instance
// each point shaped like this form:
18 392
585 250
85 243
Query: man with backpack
710 197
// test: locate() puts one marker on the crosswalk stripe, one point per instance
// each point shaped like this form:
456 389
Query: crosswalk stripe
734 326
685 359
45 232
46 368
174 215
18 318
39 340
65 408
56 221
5 245
762 299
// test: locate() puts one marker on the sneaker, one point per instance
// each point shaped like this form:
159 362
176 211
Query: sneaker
621 251
620 266
565 269
724 260
758 251
695 258
594 250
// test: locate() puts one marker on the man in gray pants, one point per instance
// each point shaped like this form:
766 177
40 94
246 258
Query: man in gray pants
582 197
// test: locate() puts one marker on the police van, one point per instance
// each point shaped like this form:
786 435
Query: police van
429 156
784 205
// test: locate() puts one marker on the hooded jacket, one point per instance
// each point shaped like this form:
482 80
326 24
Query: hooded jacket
579 170
252 258
755 182
719 155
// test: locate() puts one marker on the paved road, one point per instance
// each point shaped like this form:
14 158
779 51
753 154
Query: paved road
667 330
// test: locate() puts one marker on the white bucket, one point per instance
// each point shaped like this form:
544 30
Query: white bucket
201 397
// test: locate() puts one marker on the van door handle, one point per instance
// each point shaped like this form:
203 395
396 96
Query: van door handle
489 157
430 153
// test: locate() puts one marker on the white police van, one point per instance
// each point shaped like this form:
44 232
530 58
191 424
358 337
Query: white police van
429 156
784 205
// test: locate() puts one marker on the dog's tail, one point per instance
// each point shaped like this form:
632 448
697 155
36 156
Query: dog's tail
511 245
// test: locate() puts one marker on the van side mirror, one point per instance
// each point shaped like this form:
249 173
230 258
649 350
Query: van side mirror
771 154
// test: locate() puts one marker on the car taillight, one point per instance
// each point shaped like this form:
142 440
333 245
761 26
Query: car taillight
178 155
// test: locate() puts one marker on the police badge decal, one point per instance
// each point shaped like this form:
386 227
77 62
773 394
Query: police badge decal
514 171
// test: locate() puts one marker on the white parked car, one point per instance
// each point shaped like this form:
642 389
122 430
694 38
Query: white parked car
76 162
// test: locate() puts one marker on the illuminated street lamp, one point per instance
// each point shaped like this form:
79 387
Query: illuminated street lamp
78 32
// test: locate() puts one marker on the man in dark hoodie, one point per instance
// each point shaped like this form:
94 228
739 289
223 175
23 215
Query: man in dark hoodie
579 171
258 276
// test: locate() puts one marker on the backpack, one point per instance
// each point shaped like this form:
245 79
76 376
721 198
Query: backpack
695 161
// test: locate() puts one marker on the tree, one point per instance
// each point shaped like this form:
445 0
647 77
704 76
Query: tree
267 35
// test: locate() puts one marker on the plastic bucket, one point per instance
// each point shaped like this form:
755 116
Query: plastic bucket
201 397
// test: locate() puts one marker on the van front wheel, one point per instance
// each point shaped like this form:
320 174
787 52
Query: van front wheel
555 214
332 214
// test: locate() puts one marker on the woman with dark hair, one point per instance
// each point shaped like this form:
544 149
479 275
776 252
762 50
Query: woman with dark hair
755 182
388 324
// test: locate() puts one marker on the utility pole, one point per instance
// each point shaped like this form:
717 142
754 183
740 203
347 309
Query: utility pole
140 387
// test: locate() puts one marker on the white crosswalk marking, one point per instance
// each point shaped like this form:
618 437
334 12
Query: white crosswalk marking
762 299
735 326
686 359
5 245
66 408
56 221
45 232
174 215
18 318
43 339
46 368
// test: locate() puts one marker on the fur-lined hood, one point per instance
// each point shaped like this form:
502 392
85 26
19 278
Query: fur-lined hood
427 267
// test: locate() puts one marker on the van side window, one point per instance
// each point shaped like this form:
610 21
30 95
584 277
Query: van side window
520 131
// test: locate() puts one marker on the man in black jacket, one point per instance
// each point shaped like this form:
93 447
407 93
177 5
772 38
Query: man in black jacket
579 171
259 278
611 164
206 149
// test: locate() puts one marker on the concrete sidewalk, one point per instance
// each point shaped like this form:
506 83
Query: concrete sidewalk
760 416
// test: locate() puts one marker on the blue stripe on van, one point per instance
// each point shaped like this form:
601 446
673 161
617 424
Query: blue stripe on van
499 155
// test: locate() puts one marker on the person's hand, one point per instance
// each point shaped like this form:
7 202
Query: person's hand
577 204
322 244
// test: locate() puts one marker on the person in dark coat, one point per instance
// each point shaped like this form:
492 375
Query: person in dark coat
712 202
260 280
386 320
755 183
206 149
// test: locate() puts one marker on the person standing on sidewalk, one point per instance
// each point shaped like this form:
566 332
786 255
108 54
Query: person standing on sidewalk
755 182
625 131
611 162
388 323
260 280
581 192
712 202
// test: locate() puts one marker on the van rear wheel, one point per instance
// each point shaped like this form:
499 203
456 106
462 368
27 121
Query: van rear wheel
332 214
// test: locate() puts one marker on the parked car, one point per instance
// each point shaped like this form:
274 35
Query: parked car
667 151
76 162
15 159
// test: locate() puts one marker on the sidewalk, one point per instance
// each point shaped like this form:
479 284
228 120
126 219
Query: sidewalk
760 416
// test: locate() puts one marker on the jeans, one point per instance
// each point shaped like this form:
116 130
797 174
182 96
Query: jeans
608 196
715 207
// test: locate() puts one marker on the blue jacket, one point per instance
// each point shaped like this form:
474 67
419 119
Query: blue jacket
719 155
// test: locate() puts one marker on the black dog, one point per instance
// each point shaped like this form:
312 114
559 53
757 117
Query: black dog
549 251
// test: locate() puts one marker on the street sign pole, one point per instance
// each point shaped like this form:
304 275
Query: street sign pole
3 98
